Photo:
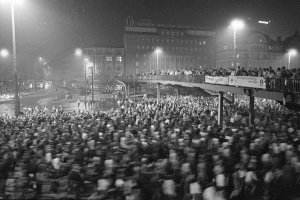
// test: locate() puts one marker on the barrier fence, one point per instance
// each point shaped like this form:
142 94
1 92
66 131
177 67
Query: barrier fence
269 84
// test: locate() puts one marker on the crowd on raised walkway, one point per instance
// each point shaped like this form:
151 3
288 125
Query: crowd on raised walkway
269 72
172 149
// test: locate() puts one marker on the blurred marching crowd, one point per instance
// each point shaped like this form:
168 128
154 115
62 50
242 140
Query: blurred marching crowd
171 149
239 71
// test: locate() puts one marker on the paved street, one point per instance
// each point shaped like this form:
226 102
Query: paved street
46 97
49 98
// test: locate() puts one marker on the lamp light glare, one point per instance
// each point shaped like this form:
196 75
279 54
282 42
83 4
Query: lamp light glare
78 52
292 52
237 24
19 2
4 53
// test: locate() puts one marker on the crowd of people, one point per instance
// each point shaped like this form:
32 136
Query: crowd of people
269 72
171 149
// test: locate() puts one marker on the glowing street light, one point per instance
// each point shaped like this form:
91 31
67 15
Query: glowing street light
157 51
78 52
4 53
236 25
291 52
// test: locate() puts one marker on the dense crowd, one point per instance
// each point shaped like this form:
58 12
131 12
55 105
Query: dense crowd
172 149
239 71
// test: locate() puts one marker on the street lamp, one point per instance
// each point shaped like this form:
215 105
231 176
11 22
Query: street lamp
291 52
4 53
14 56
157 51
78 52
236 24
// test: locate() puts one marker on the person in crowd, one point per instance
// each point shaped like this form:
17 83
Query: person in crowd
168 149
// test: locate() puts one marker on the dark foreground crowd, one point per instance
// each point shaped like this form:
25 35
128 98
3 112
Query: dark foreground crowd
167 150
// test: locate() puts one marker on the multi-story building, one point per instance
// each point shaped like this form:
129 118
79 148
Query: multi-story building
150 47
252 50
106 61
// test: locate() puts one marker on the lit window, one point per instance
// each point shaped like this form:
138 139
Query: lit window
108 58
204 42
260 40
200 43
137 64
138 46
237 55
119 58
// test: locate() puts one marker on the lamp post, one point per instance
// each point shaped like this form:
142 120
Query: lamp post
291 52
14 56
236 24
85 61
17 97
157 51
92 68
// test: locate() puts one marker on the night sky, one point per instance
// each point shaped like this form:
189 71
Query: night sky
54 27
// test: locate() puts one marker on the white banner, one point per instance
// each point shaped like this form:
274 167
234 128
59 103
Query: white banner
216 80
247 81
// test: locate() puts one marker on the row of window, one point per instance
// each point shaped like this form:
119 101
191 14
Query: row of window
250 48
163 57
168 48
251 56
171 41
172 33
110 58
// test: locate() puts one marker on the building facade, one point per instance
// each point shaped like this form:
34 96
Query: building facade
151 47
106 61
253 50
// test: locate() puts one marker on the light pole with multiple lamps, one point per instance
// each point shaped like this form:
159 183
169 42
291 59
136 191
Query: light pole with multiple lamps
291 52
236 25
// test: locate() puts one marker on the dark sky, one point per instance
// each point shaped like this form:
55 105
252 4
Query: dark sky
55 27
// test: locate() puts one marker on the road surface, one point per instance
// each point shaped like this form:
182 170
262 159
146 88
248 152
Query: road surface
49 98
46 97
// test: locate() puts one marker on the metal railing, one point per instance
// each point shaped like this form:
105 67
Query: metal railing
272 84
283 85
178 78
